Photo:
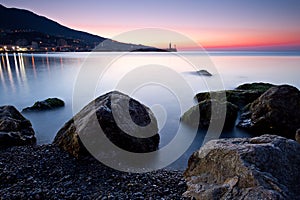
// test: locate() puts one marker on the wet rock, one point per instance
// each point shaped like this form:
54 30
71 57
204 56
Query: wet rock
265 167
48 104
241 96
277 111
15 129
204 73
123 120
259 87
223 113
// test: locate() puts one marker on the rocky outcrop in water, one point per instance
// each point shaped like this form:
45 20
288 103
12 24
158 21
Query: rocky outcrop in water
201 114
277 111
14 128
234 100
265 167
105 115
241 96
48 104
203 72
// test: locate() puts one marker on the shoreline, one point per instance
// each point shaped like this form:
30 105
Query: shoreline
47 172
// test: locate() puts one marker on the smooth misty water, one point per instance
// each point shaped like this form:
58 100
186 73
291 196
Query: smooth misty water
162 81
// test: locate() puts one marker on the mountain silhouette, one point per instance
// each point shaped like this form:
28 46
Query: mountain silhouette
18 19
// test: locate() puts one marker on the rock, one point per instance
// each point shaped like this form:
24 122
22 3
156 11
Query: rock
259 87
203 108
48 104
204 73
297 136
277 111
265 167
14 128
241 96
99 112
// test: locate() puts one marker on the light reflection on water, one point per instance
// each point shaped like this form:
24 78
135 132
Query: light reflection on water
26 78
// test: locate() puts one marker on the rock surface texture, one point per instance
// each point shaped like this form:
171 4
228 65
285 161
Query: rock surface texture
277 111
120 118
204 108
265 167
14 128
48 104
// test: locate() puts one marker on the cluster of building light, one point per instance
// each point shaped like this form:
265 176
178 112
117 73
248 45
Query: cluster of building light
13 48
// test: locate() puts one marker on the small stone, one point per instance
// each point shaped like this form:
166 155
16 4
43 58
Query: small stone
137 194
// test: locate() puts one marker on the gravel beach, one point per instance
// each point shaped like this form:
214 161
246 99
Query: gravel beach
46 172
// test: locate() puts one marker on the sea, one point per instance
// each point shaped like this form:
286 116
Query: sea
164 81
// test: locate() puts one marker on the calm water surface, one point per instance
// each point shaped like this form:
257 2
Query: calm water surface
26 78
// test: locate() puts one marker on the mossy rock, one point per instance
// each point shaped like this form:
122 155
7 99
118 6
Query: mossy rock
259 87
241 96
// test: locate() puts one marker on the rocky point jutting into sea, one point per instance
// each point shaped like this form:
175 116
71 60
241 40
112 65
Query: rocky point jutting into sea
262 167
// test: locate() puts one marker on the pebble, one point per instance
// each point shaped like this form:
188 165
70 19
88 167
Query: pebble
46 172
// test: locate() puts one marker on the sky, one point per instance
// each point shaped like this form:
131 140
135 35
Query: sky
213 24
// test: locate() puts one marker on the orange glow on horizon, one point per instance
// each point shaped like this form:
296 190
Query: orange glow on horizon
210 38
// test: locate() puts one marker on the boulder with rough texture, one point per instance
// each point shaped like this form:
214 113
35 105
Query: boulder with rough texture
14 128
204 108
277 111
265 167
116 115
48 104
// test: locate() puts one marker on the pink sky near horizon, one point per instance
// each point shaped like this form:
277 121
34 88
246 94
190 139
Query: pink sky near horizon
210 23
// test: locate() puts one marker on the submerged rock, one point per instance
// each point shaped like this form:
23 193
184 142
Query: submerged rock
203 72
98 116
204 108
48 104
265 167
14 128
277 111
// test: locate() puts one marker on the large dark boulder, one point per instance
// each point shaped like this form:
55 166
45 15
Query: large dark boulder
265 167
201 114
241 96
85 125
48 104
14 128
277 111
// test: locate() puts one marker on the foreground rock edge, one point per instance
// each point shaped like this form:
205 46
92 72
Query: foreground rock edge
265 167
15 129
